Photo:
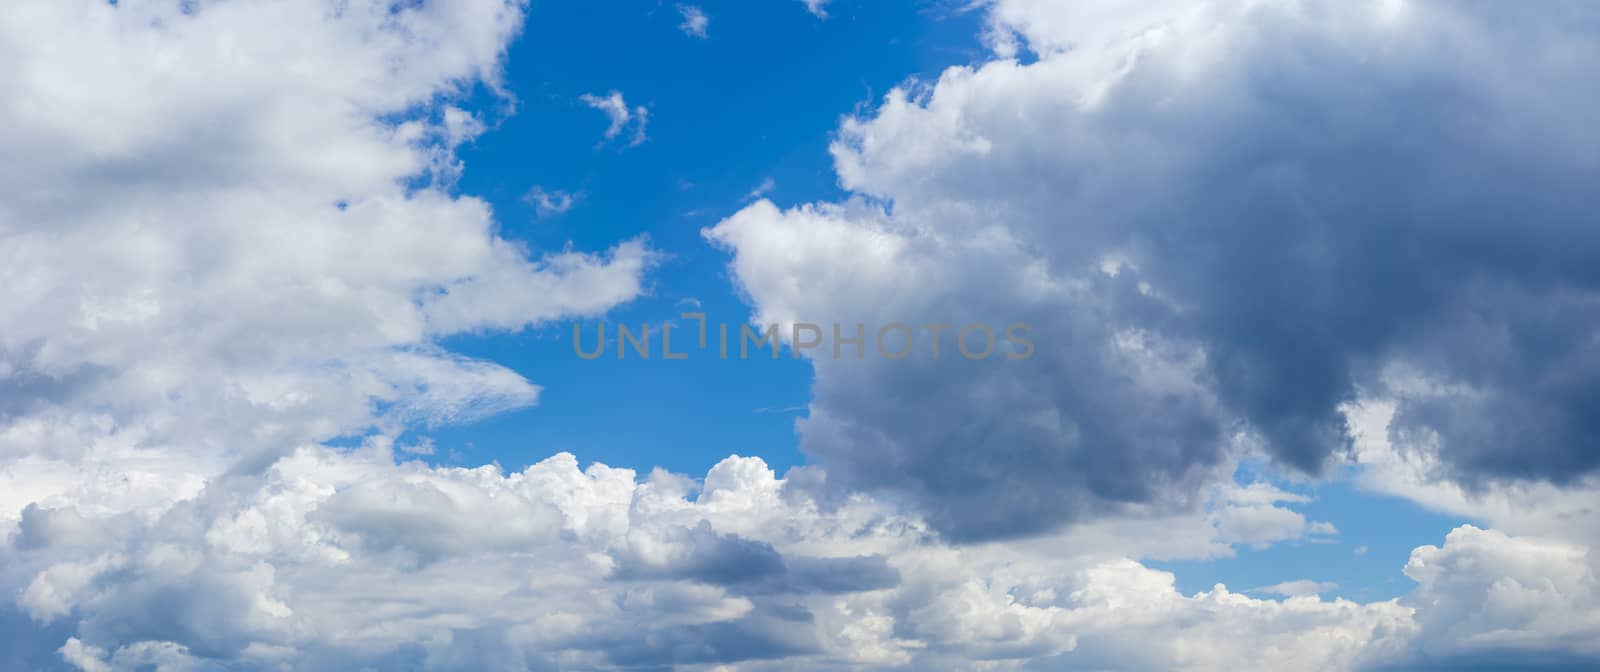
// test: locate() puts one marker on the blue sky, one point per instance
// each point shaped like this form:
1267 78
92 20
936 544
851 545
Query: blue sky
725 120
1376 535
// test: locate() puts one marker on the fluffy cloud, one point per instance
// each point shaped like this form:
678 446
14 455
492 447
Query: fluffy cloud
1225 222
347 559
344 559
230 234
1484 595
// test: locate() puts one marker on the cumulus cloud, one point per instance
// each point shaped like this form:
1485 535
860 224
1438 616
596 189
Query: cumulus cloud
231 236
1485 597
1316 232
208 244
1225 222
999 447
347 559
621 117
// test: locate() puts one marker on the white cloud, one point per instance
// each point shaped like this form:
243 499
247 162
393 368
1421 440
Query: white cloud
761 190
1487 596
347 559
1250 515
695 21
218 210
234 237
552 202
1299 588
220 245
818 8
621 117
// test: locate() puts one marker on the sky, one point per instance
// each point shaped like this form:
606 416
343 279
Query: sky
737 129
1291 306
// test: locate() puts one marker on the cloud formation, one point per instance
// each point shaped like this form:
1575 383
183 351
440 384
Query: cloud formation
351 559
348 559
1226 223
211 257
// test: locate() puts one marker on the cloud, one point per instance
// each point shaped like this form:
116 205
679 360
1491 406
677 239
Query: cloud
237 238
553 202
1298 588
1534 508
995 448
214 259
616 110
695 21
1219 241
347 559
761 190
818 8
1488 596
1252 518
1490 601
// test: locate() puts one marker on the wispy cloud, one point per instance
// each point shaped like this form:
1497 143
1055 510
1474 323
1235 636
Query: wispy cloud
766 187
783 409
551 202
695 21
1299 588
622 118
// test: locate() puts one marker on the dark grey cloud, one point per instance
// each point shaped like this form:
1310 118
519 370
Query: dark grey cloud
839 575
748 566
701 554
1496 661
757 637
1004 448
